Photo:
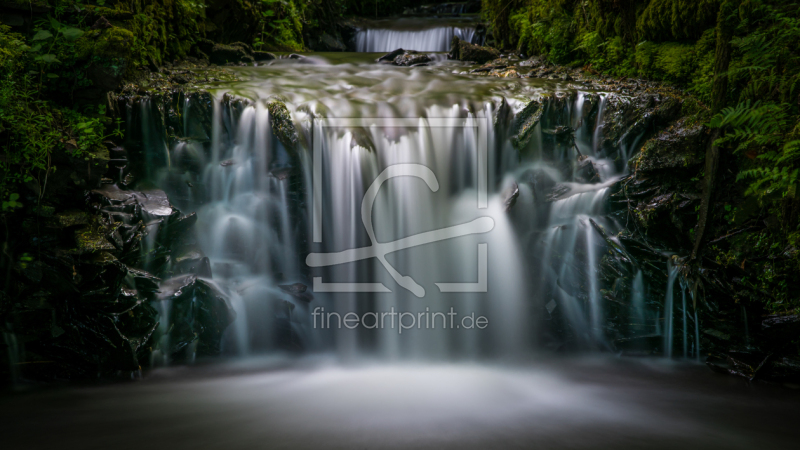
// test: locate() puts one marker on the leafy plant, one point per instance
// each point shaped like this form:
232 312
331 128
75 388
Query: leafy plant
12 202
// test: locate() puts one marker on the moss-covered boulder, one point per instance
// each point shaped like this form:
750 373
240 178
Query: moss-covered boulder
109 52
263 56
525 122
114 42
282 124
678 148
464 51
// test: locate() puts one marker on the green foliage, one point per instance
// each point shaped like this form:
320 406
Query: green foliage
32 126
668 20
281 23
543 28
759 130
12 202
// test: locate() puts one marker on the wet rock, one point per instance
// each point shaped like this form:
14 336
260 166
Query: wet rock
298 291
782 369
111 195
182 224
260 56
155 205
193 261
412 58
559 192
525 123
176 288
746 365
673 149
101 276
296 288
541 182
510 195
227 162
389 57
282 125
464 51
781 329
209 318
91 239
71 219
586 172
144 281
489 67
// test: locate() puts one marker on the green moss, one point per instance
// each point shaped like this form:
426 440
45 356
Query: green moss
72 218
91 239
114 42
526 121
666 20
282 124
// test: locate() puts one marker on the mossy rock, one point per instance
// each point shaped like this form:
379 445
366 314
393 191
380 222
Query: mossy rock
282 124
464 51
525 123
112 14
72 219
674 149
114 42
91 239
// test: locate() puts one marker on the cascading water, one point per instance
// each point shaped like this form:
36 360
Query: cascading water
425 36
257 220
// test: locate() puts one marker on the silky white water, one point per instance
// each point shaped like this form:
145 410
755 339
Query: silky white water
259 221
426 40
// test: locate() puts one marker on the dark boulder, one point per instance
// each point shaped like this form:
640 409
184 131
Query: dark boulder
389 57
412 58
585 172
230 54
299 291
510 195
263 56
541 182
678 148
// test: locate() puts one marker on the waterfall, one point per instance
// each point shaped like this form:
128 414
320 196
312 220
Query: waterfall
637 302
272 214
685 331
436 39
668 309
696 336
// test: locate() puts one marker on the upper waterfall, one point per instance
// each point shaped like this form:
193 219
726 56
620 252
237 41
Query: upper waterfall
421 35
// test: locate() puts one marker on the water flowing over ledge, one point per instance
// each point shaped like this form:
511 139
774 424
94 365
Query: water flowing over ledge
556 154
425 36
